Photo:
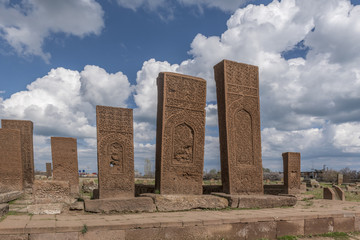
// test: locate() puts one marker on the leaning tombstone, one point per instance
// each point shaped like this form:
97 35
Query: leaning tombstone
292 172
65 161
27 154
11 165
237 89
180 134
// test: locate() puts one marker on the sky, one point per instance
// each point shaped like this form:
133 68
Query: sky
59 59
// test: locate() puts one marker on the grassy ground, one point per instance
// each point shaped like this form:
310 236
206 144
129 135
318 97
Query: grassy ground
318 193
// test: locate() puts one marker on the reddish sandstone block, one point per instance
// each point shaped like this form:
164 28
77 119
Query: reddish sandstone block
237 89
294 228
27 149
180 134
346 224
292 171
318 225
115 147
65 161
11 164
340 193
328 193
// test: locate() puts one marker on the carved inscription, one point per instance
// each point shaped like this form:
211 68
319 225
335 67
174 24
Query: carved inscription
237 89
27 154
11 165
180 134
115 152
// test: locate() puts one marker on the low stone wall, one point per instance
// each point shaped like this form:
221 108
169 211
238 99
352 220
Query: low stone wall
274 189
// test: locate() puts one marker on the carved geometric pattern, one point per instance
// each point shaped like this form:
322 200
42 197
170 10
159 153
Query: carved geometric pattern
180 134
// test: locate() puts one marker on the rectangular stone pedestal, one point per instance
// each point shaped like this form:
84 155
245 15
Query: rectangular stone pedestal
120 205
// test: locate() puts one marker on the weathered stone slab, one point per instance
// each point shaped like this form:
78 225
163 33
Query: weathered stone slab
237 88
115 147
11 165
27 148
340 179
50 208
65 161
120 205
292 172
9 196
48 170
165 202
290 228
180 134
340 193
328 193
77 206
258 201
4 209
318 226
52 192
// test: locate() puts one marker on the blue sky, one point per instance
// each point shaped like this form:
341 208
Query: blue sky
59 60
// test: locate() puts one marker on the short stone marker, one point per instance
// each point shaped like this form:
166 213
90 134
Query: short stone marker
237 88
27 149
65 161
115 146
180 134
292 172
48 170
340 193
329 193
11 165
340 179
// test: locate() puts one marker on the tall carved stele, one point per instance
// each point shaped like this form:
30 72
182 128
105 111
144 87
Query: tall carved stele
292 172
180 134
27 148
65 161
11 164
115 146
237 88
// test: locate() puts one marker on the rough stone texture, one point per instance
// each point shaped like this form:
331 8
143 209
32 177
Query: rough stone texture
346 224
27 148
15 237
328 193
258 201
318 226
11 165
103 235
77 206
115 146
208 189
50 208
274 189
180 134
340 179
65 161
120 205
55 236
237 88
143 188
340 193
166 203
88 185
4 209
95 193
51 192
312 183
292 172
290 228
48 170
9 196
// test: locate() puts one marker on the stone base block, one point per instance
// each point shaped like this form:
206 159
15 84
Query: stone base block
45 192
54 208
186 202
77 206
9 196
258 201
4 209
120 205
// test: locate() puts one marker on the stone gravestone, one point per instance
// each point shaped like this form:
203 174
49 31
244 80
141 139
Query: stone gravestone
237 88
27 149
65 161
292 172
115 146
11 165
48 170
180 134
340 179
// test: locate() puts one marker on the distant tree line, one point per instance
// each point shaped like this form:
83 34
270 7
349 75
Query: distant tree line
349 175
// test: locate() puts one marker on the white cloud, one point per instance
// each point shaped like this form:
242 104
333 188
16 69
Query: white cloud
211 115
25 25
63 102
146 89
